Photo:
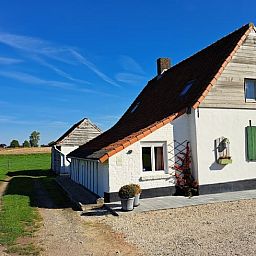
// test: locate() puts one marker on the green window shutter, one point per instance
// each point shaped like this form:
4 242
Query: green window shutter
251 142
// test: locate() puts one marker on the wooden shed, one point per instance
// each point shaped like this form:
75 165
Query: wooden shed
79 134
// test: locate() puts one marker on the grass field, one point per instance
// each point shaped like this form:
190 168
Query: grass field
19 217
19 151
23 162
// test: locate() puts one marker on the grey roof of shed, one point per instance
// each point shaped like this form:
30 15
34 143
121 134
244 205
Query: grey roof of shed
79 134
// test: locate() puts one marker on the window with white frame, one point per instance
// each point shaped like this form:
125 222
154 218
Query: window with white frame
153 156
250 90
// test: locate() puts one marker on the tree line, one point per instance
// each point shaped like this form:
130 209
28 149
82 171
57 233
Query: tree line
32 142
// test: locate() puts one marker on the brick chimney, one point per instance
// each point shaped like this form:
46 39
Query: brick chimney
162 65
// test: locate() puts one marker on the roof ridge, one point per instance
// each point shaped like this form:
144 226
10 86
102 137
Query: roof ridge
198 52
182 62
71 130
224 64
205 66
94 125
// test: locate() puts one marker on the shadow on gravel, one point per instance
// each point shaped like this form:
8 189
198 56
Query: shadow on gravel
41 188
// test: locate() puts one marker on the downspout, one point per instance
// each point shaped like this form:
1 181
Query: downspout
57 149
54 146
67 158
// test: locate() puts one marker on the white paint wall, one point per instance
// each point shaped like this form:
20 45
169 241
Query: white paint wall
230 123
59 161
90 174
184 128
125 168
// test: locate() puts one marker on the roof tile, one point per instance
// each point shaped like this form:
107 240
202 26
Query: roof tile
162 100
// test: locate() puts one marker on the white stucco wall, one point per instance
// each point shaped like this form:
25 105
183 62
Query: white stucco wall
230 123
184 128
126 166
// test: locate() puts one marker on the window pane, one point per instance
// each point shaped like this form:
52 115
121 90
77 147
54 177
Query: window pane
159 158
250 90
146 159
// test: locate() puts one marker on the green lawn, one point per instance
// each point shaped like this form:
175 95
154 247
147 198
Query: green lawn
23 162
19 217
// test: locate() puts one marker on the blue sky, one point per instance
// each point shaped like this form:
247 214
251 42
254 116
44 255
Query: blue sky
61 61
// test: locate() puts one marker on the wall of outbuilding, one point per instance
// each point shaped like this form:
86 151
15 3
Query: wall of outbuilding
90 174
60 164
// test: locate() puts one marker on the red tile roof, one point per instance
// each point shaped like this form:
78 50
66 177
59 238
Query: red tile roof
160 102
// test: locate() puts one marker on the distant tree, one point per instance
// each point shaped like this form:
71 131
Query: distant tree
34 138
3 145
14 144
26 144
51 143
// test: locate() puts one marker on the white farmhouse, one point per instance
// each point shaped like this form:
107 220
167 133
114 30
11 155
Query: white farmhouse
79 134
207 101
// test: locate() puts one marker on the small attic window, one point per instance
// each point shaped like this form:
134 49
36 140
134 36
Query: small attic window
186 88
135 107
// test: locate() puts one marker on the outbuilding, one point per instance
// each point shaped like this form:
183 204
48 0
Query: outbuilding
79 134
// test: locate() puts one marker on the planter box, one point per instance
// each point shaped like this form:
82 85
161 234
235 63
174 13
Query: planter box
224 161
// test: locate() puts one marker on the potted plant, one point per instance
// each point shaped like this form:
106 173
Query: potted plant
127 193
137 194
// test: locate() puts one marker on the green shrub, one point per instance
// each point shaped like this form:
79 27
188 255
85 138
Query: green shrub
126 191
137 188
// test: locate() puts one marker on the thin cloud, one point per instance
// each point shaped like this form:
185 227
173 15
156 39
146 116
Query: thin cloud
58 71
23 42
15 120
34 80
48 49
130 78
12 120
130 65
9 61
93 68
30 79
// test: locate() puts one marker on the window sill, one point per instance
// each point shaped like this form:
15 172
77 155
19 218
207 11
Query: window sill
250 101
164 176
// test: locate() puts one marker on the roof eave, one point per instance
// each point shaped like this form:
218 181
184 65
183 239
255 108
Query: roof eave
141 135
223 66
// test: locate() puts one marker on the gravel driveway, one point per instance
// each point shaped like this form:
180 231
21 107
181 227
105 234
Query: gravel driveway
214 229
65 233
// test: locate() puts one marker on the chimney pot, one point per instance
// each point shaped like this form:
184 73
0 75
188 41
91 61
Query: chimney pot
162 65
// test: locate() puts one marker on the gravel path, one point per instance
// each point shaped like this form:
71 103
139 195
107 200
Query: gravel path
214 229
66 233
